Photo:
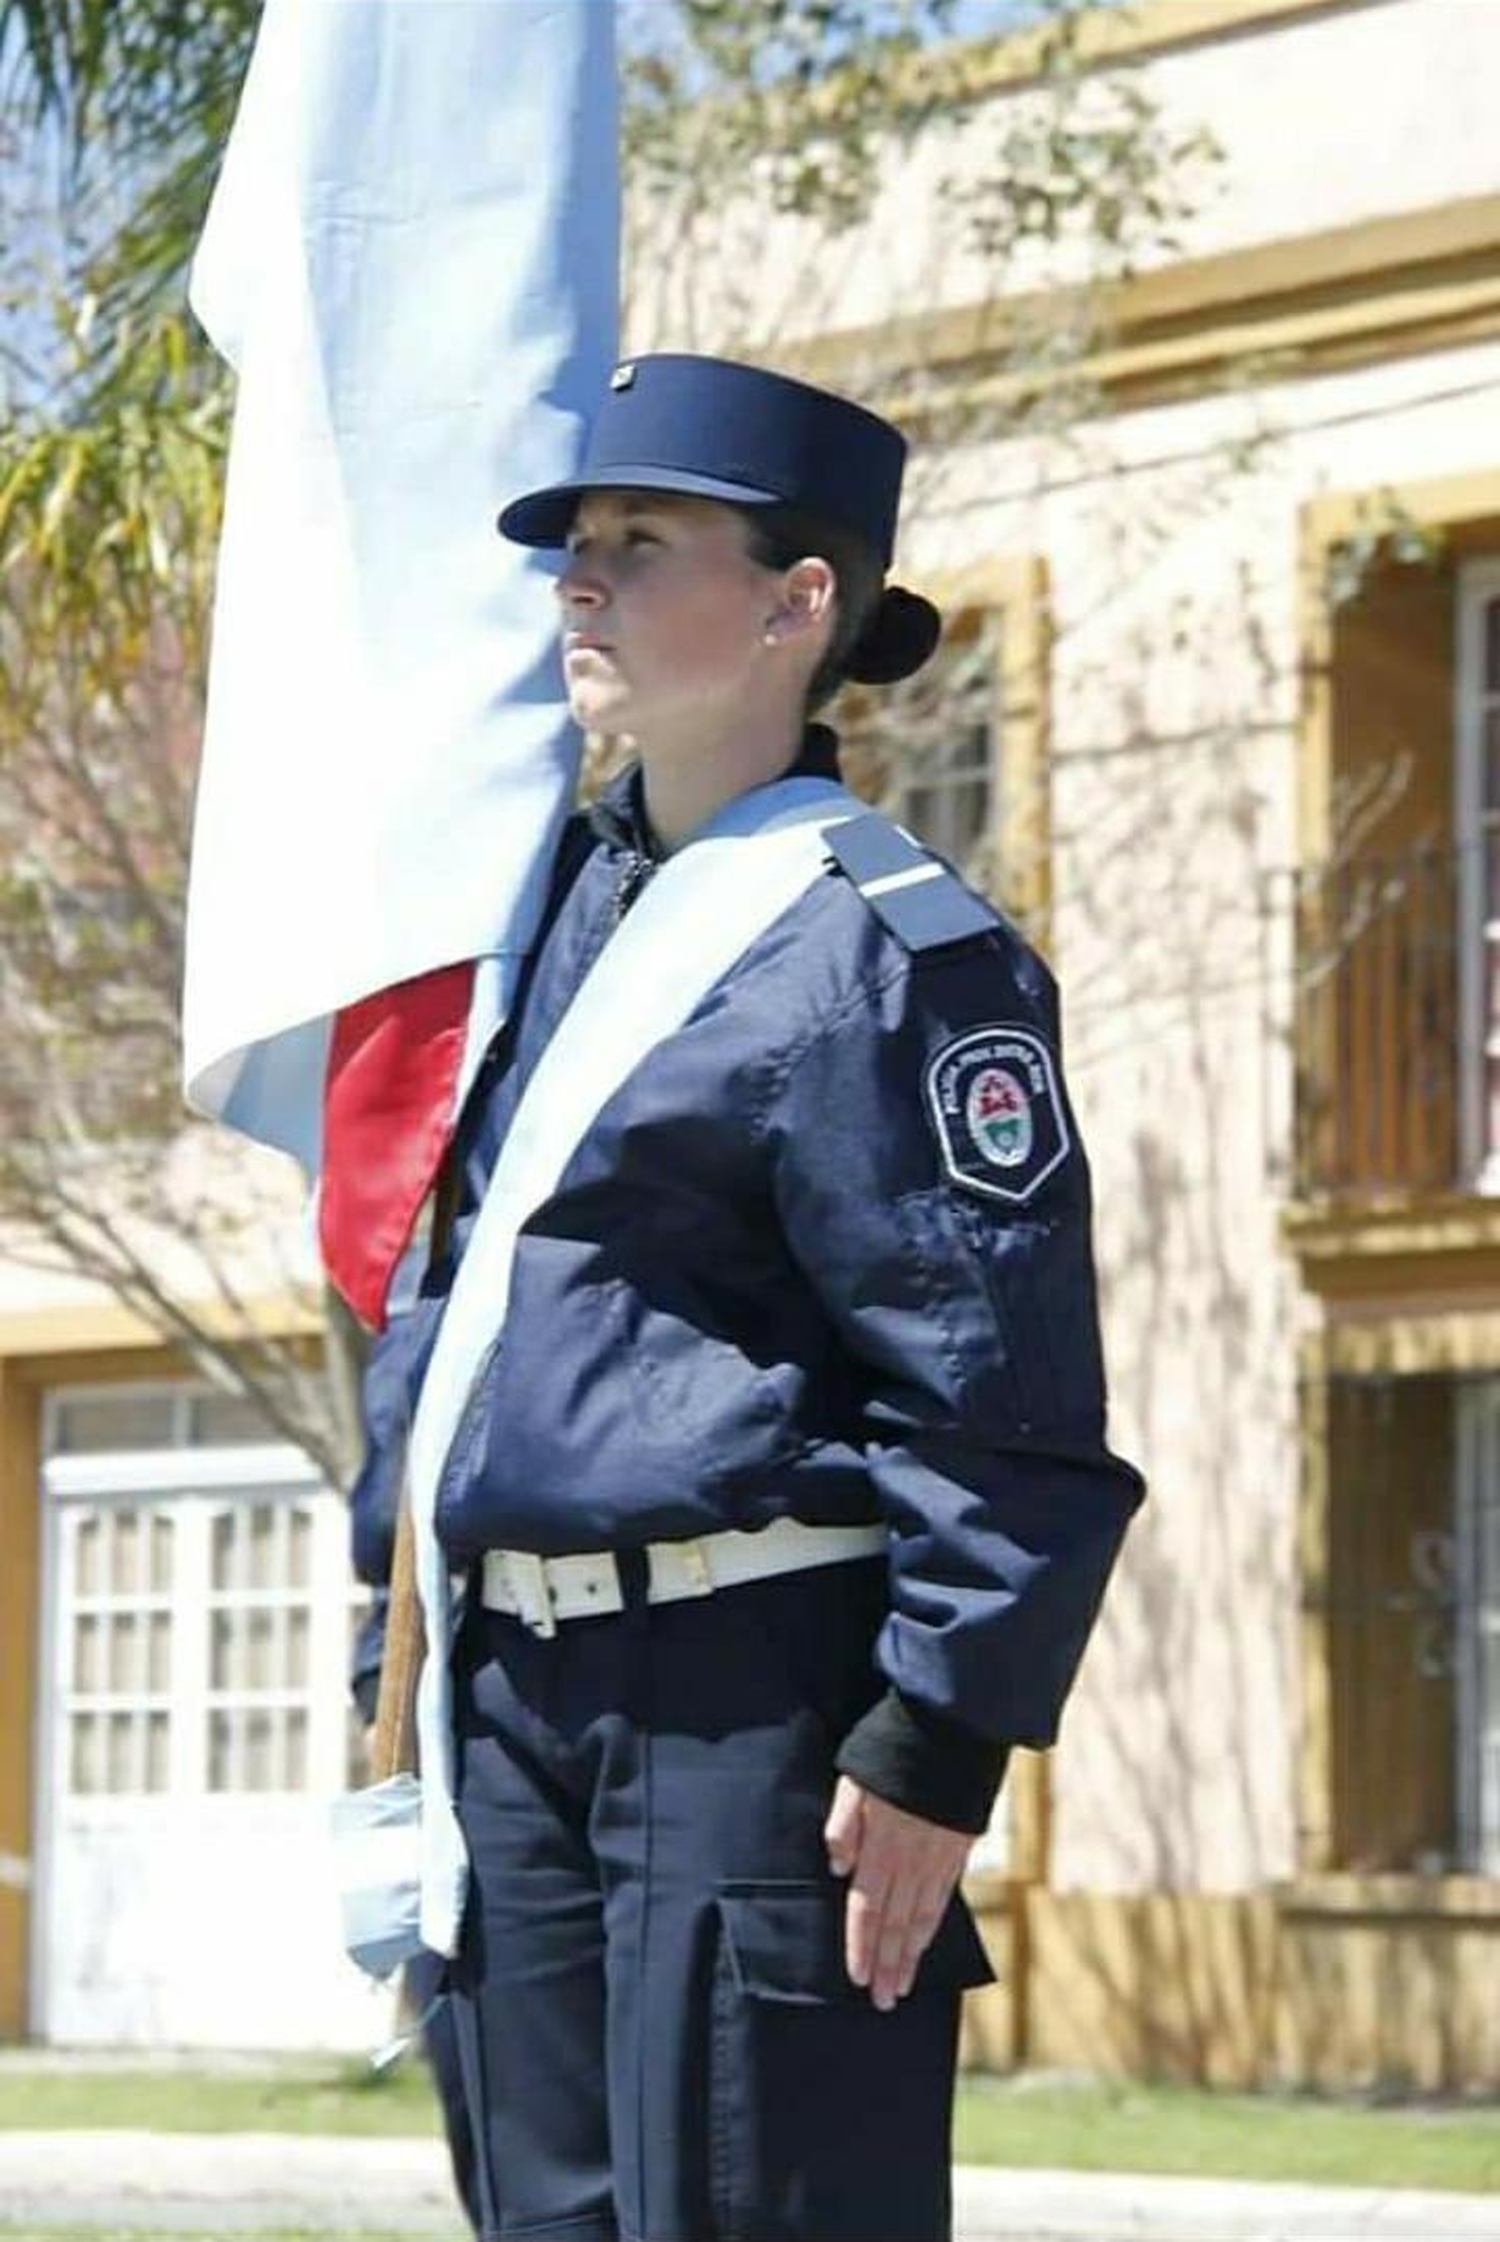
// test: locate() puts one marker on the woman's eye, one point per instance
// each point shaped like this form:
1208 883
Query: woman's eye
578 548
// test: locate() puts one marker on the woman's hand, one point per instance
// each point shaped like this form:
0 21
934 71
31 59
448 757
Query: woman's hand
902 1873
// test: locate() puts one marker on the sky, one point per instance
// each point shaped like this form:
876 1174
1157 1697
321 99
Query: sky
22 184
972 19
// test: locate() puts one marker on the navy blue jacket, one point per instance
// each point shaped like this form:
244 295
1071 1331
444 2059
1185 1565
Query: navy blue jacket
824 1253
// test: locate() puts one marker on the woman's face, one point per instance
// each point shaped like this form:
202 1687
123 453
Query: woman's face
664 612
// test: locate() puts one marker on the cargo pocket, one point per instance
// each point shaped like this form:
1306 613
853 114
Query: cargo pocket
827 2117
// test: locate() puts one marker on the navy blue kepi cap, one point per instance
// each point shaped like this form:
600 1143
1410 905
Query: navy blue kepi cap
714 429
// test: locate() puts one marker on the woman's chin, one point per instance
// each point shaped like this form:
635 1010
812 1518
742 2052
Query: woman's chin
597 710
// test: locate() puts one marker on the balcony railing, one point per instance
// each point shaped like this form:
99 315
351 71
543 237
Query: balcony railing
1379 1025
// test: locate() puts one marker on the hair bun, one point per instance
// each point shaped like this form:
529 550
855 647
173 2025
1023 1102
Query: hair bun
899 637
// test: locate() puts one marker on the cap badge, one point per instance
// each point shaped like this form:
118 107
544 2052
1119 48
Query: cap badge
623 377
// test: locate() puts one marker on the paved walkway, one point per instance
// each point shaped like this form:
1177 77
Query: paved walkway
165 2184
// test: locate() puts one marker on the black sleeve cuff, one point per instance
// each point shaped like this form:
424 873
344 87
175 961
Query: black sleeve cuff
924 1763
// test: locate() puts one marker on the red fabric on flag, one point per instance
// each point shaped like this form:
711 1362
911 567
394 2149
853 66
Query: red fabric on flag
389 1108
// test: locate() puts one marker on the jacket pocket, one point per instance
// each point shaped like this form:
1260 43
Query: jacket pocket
828 2117
784 1941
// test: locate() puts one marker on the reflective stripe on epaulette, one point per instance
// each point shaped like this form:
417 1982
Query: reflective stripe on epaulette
920 900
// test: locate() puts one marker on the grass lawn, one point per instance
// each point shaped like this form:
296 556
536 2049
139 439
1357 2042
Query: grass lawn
1096 2128
1023 2121
293 2096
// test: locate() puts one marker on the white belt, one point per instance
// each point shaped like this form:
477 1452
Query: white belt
543 1590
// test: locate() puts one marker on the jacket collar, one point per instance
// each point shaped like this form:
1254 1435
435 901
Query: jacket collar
618 817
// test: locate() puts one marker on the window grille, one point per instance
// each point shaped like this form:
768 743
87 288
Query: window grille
1477 1583
119 1662
1410 1597
925 751
1478 821
260 1623
203 1602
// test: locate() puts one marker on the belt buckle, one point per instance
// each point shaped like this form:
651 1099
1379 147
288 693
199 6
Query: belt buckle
526 1575
693 1558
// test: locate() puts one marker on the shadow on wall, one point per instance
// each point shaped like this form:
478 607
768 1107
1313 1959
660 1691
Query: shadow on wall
1208 1962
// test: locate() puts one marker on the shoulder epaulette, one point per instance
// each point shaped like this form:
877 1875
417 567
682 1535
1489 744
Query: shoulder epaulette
918 898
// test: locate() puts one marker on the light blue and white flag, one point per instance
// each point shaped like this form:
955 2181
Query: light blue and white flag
411 262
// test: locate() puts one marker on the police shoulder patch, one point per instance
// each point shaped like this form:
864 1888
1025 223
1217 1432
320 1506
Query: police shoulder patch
997 1112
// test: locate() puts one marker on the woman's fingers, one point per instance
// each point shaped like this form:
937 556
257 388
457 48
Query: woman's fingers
903 1875
913 1908
842 1828
931 1906
864 1928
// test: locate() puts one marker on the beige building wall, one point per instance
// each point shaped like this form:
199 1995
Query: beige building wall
1169 534
1175 688
1325 113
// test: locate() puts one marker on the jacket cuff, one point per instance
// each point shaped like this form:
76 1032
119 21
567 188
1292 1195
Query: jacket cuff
369 1655
924 1763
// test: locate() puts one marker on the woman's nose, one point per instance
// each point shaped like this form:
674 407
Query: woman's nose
579 586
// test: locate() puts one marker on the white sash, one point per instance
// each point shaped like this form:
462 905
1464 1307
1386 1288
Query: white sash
698 914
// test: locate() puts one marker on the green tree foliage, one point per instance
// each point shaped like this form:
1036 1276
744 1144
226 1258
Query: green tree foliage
109 463
114 423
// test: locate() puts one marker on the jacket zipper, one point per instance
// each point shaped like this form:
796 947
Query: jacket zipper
634 874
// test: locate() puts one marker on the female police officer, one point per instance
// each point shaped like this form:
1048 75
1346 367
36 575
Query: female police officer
783 1495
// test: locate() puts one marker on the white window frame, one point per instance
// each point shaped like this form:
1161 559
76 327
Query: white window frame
129 1472
273 1468
183 1397
1478 584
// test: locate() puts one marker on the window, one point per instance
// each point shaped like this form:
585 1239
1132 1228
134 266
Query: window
119 1654
260 1628
1477 1585
123 1419
1478 835
1398 921
924 751
1376 928
194 1720
202 1602
105 1419
1411 1604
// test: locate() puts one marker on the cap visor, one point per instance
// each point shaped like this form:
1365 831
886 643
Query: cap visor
544 517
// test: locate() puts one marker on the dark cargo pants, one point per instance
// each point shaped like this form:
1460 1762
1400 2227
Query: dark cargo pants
659 2038
424 1993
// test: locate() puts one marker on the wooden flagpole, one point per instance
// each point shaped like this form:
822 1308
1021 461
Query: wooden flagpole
394 1751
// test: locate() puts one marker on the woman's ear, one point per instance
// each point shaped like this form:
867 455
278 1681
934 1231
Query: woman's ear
809 589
